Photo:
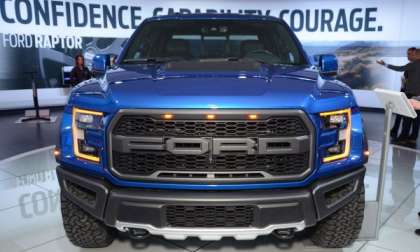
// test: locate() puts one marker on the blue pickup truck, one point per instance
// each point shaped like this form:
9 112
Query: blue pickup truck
212 126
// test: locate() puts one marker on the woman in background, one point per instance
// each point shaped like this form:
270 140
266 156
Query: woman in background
79 72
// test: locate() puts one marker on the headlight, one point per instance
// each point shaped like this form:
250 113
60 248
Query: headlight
84 120
339 121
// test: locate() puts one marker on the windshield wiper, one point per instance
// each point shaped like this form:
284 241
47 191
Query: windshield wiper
148 60
272 63
233 59
236 59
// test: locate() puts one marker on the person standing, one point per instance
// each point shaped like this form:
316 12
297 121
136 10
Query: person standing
398 118
79 72
412 89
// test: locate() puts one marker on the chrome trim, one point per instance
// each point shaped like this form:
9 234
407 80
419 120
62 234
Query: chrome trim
221 114
210 175
210 234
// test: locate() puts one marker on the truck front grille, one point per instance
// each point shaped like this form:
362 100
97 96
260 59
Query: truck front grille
277 146
210 216
135 125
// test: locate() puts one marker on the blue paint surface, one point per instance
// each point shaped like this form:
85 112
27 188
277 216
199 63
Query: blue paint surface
270 87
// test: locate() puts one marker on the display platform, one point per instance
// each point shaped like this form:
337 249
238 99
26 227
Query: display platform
30 209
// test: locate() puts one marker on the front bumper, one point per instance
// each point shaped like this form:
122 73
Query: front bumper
125 208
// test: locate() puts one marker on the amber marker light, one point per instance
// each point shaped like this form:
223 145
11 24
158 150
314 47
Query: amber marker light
168 116
252 117
366 153
211 117
56 152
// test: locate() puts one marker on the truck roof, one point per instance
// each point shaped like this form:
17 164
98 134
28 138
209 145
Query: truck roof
212 16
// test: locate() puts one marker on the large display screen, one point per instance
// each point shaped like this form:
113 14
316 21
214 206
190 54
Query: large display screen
42 36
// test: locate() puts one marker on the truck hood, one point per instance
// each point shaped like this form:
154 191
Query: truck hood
266 88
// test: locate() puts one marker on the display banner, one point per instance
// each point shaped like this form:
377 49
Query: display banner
42 36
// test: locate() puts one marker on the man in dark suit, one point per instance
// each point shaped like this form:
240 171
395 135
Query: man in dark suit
412 70
398 118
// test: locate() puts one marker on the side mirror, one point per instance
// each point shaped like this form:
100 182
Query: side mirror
327 64
100 63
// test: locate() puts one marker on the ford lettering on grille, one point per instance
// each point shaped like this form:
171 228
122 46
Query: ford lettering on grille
213 146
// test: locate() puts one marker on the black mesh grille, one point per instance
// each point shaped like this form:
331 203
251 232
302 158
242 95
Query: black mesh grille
144 163
130 125
210 216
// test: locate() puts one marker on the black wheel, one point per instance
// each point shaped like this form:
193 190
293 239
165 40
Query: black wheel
342 228
82 229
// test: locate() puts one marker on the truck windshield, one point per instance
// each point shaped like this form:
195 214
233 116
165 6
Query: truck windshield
188 40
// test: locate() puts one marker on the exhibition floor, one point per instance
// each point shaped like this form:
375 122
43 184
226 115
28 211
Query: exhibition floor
31 220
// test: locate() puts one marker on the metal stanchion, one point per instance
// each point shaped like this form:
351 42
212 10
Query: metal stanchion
394 103
37 116
373 209
383 164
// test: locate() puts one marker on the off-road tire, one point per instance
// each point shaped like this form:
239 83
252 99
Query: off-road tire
82 229
342 228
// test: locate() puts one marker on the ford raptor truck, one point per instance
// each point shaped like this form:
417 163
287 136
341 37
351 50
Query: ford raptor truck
212 126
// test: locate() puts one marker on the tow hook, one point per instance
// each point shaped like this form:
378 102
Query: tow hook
138 233
284 234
